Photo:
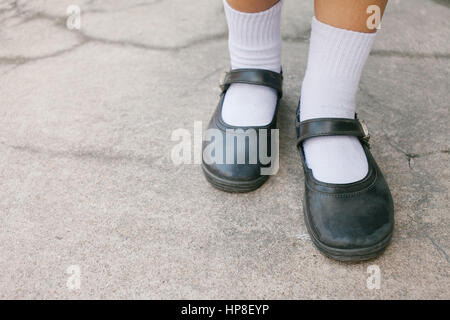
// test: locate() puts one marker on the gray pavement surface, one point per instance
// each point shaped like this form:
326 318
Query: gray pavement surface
86 177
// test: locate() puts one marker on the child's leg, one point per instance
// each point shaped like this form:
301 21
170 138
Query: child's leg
252 6
254 42
340 44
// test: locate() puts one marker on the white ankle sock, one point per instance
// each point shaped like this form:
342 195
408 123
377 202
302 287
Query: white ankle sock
254 41
335 62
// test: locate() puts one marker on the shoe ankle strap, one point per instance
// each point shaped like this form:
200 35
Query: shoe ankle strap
332 127
253 76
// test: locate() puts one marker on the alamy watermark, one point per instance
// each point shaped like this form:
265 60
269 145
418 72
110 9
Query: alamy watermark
74 279
374 279
73 17
374 20
227 147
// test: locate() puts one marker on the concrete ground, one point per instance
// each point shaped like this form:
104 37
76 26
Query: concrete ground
88 189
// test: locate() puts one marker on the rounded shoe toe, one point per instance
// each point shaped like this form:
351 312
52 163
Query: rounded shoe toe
352 222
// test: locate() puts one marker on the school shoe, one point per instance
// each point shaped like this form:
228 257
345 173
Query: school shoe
347 222
237 175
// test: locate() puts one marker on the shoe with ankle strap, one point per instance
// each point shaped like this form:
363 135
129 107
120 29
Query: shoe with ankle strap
235 164
347 222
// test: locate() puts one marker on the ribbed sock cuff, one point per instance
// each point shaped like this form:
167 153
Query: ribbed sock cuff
254 38
340 53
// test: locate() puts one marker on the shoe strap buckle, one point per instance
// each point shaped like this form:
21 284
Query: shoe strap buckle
365 129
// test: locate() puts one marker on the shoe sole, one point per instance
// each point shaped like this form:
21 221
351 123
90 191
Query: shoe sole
347 255
233 186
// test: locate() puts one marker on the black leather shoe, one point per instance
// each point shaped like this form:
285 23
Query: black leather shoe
347 222
245 169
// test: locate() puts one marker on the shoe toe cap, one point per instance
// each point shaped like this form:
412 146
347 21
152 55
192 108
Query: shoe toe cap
359 221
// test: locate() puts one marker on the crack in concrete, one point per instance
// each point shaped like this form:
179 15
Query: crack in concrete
300 36
21 60
445 3
59 21
419 204
419 176
411 156
139 45
96 155
438 247
410 55
86 38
